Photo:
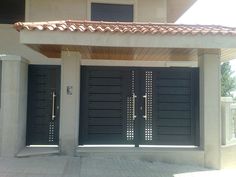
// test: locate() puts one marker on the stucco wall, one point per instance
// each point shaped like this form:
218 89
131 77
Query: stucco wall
14 101
0 103
152 11
10 45
43 10
228 159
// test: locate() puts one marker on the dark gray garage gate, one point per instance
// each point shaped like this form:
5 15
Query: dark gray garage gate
156 106
43 105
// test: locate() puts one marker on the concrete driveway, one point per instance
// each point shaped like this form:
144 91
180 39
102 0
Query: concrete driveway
62 166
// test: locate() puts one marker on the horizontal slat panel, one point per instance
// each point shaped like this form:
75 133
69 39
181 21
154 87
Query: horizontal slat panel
41 122
104 89
104 97
173 90
104 113
173 82
105 73
174 98
105 121
174 122
104 129
104 81
174 75
41 99
38 129
174 114
104 105
174 140
104 139
174 106
173 130
47 112
40 115
42 104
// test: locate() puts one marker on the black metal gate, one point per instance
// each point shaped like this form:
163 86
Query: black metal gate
43 105
156 106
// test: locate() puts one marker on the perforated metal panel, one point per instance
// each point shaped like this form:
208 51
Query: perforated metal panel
149 105
130 110
51 133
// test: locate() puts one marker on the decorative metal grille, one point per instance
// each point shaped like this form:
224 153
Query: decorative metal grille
148 91
130 107
51 132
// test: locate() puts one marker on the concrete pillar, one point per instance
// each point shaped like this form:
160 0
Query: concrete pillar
70 91
210 122
227 128
13 105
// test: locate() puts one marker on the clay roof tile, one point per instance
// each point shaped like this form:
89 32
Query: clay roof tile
125 27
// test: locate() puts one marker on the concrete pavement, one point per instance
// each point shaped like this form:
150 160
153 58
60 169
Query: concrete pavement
62 166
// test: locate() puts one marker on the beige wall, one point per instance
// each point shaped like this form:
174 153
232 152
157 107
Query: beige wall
0 103
14 104
10 45
152 11
44 10
210 119
176 9
228 159
69 115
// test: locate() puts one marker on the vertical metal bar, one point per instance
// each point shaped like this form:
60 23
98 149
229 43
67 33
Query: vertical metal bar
53 106
134 104
145 106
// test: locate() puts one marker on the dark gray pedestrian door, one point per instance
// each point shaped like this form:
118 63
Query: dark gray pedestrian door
43 105
156 106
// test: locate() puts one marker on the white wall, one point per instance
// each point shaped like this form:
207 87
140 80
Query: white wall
44 10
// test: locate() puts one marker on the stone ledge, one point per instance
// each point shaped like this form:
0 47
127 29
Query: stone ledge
37 151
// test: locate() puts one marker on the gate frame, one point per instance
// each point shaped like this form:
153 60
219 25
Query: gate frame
139 90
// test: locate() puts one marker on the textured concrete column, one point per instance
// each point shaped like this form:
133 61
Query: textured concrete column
210 123
70 89
227 129
14 104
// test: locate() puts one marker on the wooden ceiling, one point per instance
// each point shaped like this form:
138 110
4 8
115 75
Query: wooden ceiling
120 53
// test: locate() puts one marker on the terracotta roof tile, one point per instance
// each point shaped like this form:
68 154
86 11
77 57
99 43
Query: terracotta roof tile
121 27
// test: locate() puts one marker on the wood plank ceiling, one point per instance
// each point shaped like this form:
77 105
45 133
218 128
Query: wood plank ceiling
120 53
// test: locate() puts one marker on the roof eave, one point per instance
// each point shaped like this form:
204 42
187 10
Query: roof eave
207 41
